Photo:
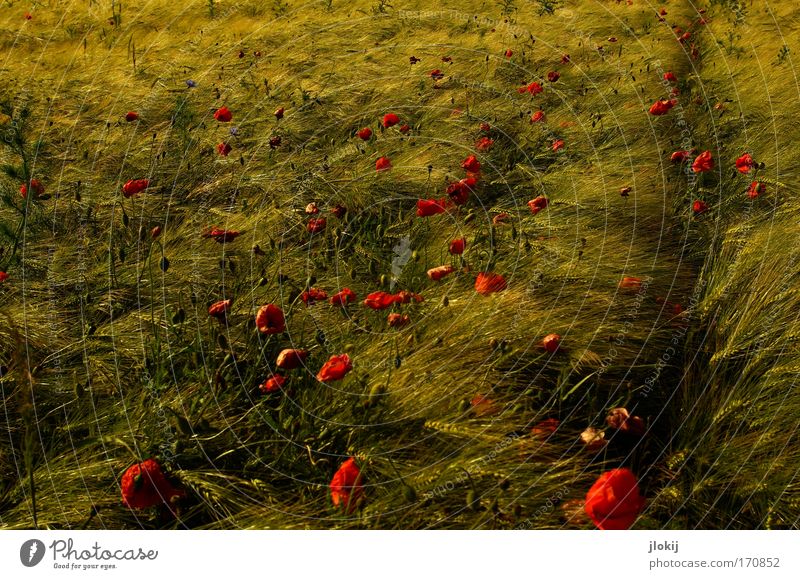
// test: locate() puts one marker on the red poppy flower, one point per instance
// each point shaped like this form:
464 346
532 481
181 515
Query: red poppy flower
457 246
223 149
614 502
628 282
744 163
485 127
436 74
291 358
380 300
537 116
537 204
545 428
662 107
551 342
36 187
438 273
553 76
398 320
703 162
679 156
347 490
335 368
620 419
755 189
312 295
219 309
273 384
487 283
406 297
155 232
428 207
509 53
383 164
365 134
699 207
558 144
684 37
279 113
390 120
484 144
223 115
471 164
459 191
144 485
339 211
270 320
28 16
221 235
3 276
533 88
344 297
131 116
316 225
670 77
565 59
134 187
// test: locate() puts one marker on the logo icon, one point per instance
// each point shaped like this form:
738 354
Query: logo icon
31 553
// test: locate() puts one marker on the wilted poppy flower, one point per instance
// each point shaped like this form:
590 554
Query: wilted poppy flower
365 134
662 106
537 116
558 144
533 88
339 211
3 276
684 37
483 406
537 204
551 342
315 225
625 191
459 191
383 164
131 116
744 163
404 128
36 187
413 59
508 53
312 295
620 419
545 428
144 485
501 218
335 368
553 76
344 297
221 235
457 246
224 148
270 320
274 141
380 300
134 187
428 207
219 309
614 502
670 77
699 207
436 74
703 162
755 189
390 120
347 490
488 283
406 297
398 320
279 113
273 384
312 209
291 358
223 115
485 127
484 144
565 59
438 273
471 164
628 282
679 156
593 438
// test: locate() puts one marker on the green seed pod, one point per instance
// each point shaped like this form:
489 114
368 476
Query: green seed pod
222 341
164 264
179 316
445 301
410 494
